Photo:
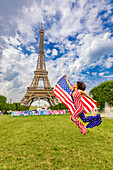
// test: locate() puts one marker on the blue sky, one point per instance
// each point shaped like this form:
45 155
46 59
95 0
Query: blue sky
78 42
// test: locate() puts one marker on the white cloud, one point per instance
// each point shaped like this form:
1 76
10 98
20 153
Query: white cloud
109 62
92 50
94 73
17 72
102 74
88 72
91 44
48 51
112 19
54 52
14 41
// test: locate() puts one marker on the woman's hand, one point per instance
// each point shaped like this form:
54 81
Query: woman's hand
65 77
95 101
71 87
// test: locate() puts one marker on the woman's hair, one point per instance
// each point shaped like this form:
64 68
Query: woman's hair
81 85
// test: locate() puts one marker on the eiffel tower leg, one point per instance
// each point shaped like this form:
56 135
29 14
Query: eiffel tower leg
52 99
29 103
49 101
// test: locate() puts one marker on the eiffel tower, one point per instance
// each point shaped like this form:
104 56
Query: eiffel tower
37 91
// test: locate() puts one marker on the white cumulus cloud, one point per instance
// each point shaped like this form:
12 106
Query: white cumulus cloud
54 52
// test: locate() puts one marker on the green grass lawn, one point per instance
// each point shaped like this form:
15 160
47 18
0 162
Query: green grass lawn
54 142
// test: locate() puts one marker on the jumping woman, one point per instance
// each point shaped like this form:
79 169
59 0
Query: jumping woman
77 91
78 103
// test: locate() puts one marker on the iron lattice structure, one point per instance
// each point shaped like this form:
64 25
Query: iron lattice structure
37 91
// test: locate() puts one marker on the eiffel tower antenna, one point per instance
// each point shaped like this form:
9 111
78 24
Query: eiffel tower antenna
40 87
41 25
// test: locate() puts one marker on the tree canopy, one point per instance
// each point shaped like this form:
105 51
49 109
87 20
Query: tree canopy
2 102
103 93
10 106
3 99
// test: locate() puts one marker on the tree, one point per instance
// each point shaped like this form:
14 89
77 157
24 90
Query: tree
2 102
10 106
103 93
20 108
17 106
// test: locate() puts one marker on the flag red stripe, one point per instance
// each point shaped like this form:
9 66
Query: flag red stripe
67 104
67 96
62 101
88 102
85 112
65 99
86 106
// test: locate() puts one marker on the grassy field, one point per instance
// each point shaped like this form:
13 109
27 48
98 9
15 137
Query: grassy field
54 142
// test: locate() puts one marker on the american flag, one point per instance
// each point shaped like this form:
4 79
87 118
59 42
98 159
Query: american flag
63 93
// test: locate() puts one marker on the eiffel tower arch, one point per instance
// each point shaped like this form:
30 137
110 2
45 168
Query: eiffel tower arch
38 91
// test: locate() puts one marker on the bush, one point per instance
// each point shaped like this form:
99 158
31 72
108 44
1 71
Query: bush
59 106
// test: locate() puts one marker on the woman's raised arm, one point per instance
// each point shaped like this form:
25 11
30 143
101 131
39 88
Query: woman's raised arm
83 93
71 87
